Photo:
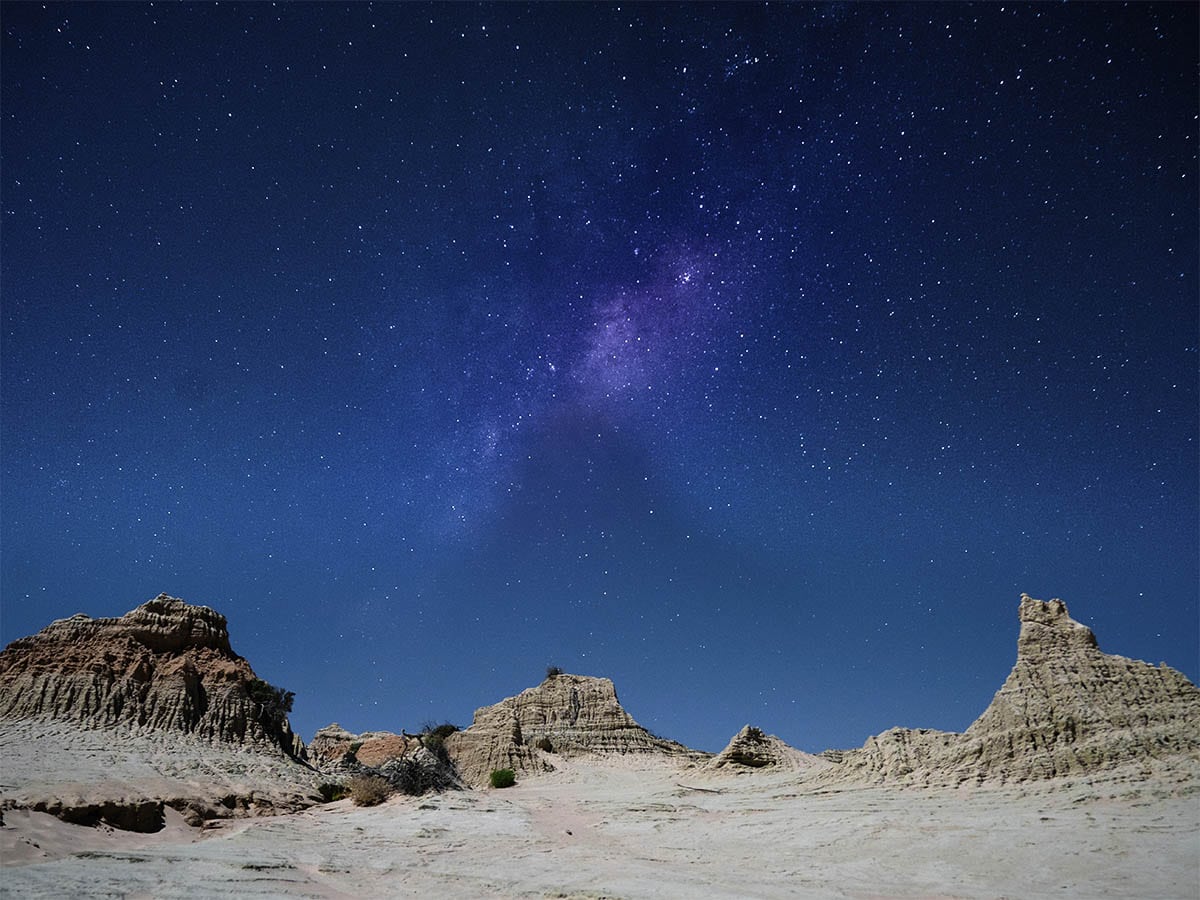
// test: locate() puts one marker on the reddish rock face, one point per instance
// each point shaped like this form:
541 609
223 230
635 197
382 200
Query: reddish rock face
166 665
331 744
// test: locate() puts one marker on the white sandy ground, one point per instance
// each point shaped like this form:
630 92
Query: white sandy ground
53 759
608 830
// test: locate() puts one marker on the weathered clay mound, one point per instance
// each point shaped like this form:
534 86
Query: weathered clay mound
565 715
1066 709
752 750
166 666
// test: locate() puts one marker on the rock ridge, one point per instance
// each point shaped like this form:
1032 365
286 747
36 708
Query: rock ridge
566 715
166 666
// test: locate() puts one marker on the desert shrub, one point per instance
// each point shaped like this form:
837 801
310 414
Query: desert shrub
543 743
553 671
369 790
416 776
755 735
331 791
433 738
356 746
273 699
441 730
502 778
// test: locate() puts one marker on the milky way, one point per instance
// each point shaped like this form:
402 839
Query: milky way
756 358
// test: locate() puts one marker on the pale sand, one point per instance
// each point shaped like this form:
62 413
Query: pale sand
597 830
54 760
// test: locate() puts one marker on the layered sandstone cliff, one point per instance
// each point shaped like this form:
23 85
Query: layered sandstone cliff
1066 709
565 715
166 666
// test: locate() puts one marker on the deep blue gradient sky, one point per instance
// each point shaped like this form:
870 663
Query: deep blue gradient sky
756 358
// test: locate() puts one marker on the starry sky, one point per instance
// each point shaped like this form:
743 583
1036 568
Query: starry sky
755 357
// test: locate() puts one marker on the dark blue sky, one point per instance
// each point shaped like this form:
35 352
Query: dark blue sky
756 358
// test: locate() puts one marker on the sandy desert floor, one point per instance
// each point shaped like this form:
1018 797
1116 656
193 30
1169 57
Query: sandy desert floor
608 830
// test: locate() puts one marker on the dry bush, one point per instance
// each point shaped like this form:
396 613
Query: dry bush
369 790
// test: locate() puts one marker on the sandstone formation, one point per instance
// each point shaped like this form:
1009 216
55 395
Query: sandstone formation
1066 709
333 745
413 763
752 750
166 666
565 715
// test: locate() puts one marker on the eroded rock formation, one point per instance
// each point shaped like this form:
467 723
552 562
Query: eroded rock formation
332 745
751 749
166 666
565 715
1066 708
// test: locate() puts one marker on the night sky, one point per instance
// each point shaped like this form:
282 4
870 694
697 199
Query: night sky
756 358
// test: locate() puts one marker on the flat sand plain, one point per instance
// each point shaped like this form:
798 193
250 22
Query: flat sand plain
617 829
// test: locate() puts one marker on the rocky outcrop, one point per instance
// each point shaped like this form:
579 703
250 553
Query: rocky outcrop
332 745
753 750
1066 709
898 754
166 666
413 764
565 715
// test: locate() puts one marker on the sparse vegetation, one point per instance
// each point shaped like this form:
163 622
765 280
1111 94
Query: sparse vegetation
433 738
369 790
331 791
436 729
543 743
416 777
274 700
356 746
502 778
553 671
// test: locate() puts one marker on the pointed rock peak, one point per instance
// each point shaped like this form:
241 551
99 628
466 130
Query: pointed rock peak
752 748
1047 627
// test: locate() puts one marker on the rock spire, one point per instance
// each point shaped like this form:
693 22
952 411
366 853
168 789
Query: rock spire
1066 708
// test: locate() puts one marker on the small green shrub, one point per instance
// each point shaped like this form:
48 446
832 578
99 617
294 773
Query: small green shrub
502 778
330 791
356 746
543 743
553 671
369 790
